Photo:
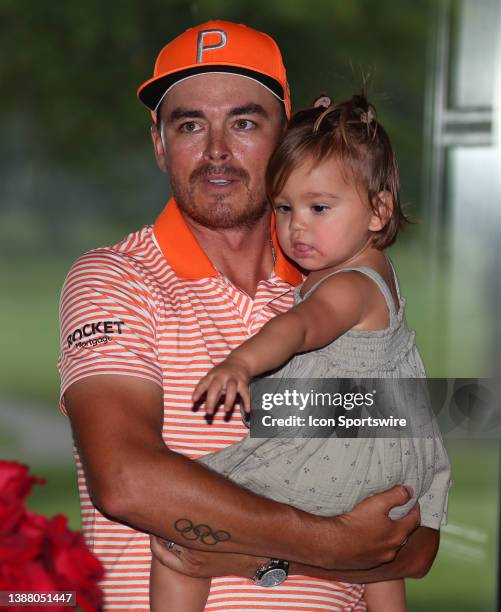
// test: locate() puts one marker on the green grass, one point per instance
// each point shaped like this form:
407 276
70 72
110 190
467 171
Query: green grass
451 323
463 576
29 305
58 496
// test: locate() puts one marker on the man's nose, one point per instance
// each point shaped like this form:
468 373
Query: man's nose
217 148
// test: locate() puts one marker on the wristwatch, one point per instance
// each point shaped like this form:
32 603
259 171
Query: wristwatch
272 573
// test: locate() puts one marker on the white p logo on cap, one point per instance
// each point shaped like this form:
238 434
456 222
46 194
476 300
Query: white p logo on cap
200 42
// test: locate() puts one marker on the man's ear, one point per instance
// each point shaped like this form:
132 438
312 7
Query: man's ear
159 148
382 205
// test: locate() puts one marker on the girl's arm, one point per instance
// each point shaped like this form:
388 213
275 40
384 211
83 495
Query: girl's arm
171 590
386 596
336 306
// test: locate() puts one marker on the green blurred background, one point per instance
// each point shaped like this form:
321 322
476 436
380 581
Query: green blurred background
78 171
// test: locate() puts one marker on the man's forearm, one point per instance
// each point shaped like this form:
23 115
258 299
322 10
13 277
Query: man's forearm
195 507
201 509
413 561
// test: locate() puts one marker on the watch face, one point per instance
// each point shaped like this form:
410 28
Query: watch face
272 577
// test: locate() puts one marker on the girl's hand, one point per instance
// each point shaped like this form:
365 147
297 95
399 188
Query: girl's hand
200 564
169 554
229 378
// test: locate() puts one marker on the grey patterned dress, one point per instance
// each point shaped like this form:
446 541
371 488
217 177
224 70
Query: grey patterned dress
328 476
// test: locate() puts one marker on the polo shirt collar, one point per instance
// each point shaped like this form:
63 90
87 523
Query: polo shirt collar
187 258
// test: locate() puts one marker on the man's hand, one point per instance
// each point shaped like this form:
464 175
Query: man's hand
367 536
413 560
229 378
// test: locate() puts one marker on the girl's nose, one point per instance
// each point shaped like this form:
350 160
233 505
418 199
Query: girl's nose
296 223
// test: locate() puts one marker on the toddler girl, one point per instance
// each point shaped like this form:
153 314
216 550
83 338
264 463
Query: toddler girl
334 185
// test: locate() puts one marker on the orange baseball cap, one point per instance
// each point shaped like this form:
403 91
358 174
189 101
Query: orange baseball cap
217 46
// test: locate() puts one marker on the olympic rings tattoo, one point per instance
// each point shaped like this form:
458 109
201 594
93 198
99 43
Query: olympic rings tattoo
201 532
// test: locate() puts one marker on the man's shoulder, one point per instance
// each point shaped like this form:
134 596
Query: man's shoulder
130 260
135 245
134 250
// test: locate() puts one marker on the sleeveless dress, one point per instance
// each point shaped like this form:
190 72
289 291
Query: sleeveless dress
329 476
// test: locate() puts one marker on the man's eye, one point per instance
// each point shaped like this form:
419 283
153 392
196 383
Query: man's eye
244 124
282 209
190 126
319 208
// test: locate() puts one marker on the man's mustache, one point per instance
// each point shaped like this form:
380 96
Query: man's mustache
208 170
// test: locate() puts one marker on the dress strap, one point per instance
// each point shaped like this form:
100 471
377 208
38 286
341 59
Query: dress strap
395 277
373 275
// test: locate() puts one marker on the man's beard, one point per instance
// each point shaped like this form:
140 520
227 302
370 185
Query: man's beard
220 214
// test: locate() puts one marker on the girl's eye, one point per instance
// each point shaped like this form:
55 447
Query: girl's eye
319 208
244 124
190 126
282 209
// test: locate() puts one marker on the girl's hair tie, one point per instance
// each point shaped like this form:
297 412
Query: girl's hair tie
329 107
322 101
368 116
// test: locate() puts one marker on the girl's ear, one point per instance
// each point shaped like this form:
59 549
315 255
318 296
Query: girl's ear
382 205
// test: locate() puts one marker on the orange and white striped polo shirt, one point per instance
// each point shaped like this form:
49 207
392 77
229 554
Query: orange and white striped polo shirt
154 306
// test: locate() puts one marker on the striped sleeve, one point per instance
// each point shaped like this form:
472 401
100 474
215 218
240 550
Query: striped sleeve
107 321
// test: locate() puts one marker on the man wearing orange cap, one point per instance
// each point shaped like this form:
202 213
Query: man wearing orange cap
142 321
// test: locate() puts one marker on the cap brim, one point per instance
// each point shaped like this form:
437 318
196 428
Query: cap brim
152 92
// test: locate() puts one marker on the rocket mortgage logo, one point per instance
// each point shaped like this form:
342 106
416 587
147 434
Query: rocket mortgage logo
84 336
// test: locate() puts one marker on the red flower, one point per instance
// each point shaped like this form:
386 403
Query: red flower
75 566
32 576
17 549
38 554
26 542
11 512
28 577
15 486
71 559
33 525
15 480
